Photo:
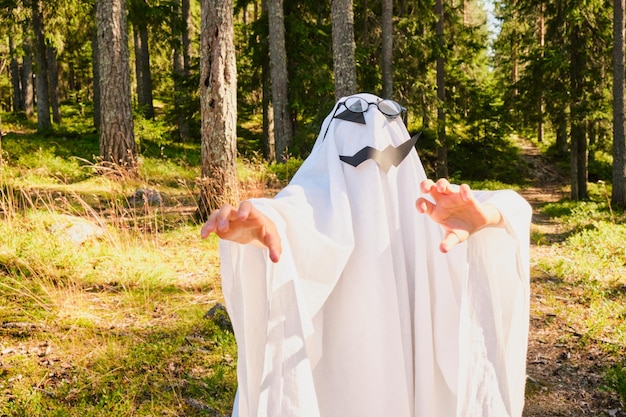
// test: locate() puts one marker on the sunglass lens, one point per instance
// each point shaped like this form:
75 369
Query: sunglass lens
389 108
356 104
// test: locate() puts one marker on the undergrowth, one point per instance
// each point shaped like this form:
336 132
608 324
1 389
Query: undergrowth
586 267
104 293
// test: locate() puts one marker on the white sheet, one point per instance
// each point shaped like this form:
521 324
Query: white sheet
363 316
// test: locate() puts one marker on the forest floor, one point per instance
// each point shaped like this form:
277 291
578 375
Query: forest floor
564 368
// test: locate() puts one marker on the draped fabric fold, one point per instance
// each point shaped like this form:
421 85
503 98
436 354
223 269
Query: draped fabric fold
363 316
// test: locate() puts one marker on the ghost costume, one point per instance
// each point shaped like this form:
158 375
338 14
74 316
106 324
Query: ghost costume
363 316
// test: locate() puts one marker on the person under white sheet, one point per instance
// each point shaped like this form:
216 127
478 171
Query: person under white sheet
364 289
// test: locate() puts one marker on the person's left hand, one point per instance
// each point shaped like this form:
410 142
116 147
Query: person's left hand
456 210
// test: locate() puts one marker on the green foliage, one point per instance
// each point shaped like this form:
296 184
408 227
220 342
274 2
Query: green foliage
588 263
615 379
478 159
112 324
492 158
43 163
286 170
582 269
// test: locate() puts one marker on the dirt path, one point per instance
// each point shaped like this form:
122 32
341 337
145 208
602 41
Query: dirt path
564 376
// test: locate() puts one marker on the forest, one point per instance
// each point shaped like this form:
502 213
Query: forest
469 78
124 123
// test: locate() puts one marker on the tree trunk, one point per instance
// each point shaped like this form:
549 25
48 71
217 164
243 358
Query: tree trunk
442 142
180 95
28 88
269 144
16 84
560 123
41 80
142 70
218 106
540 103
180 74
593 131
283 129
618 194
95 69
578 172
514 52
387 48
187 24
117 141
53 83
344 61
366 30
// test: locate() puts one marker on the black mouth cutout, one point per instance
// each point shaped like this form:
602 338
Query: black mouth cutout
390 156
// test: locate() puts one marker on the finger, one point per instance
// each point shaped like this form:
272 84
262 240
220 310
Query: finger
426 186
449 241
223 218
246 208
209 226
443 186
466 192
424 206
273 243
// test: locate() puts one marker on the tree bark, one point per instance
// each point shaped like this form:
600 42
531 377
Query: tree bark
95 69
283 129
618 193
28 87
344 61
142 70
180 95
117 141
53 83
41 80
16 84
442 142
540 103
218 106
578 171
387 48
269 144
181 71
187 24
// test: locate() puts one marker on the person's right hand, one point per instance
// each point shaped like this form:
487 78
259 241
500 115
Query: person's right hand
244 225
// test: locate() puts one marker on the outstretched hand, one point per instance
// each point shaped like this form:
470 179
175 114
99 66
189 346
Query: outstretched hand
245 224
456 210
